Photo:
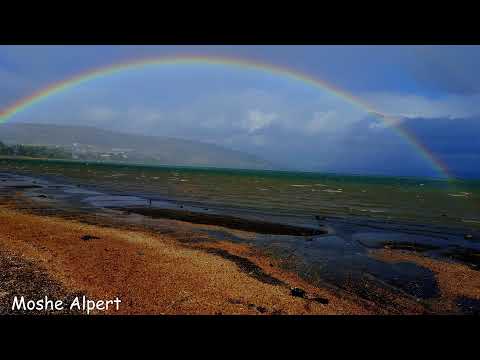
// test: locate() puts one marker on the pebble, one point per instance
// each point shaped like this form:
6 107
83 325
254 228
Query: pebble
297 292
89 237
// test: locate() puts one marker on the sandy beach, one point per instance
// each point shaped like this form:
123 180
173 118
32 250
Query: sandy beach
151 274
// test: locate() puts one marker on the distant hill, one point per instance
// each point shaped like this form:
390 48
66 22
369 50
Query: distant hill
88 142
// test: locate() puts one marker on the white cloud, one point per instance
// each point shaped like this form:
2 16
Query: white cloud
257 120
322 121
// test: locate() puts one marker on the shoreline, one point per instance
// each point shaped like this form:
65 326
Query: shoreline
151 274
238 253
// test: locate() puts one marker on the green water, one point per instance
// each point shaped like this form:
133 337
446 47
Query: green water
455 202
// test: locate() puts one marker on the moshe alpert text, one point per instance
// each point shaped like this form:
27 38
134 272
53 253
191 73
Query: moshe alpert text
78 303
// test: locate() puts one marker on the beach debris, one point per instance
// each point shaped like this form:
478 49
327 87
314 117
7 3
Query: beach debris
89 237
297 292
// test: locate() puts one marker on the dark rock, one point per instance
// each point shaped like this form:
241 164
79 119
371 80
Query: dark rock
42 196
89 237
297 292
468 236
235 301
261 309
321 300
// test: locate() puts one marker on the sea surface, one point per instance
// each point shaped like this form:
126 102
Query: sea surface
295 194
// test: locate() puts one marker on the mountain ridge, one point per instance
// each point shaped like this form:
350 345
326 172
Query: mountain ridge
83 140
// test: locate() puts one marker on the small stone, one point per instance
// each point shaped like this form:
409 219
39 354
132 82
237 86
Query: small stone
468 236
297 292
89 237
321 300
261 309
42 196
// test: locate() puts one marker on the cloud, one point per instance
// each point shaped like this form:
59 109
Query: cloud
322 122
451 69
417 106
100 114
257 120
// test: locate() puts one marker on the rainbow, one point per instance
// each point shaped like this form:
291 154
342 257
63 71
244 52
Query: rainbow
107 70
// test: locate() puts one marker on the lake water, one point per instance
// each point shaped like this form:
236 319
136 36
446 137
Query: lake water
296 194
439 219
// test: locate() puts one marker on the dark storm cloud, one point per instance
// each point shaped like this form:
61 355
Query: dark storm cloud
452 69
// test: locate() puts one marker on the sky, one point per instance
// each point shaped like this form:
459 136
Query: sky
431 91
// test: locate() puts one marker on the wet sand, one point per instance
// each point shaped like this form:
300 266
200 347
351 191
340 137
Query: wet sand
458 283
150 273
231 222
